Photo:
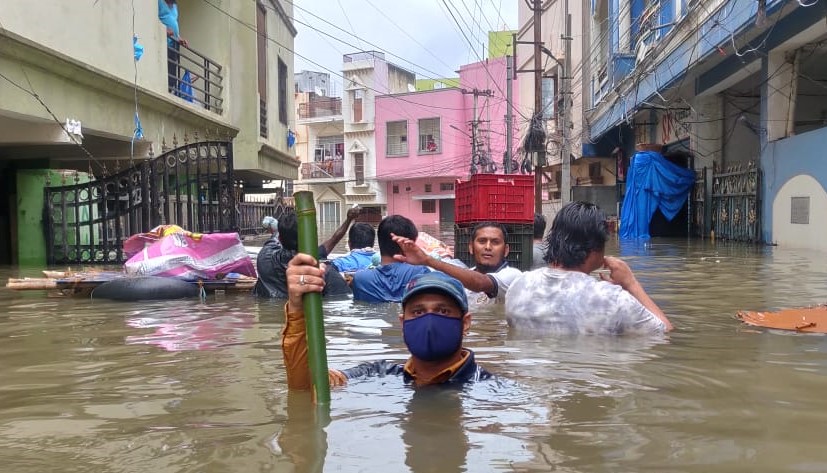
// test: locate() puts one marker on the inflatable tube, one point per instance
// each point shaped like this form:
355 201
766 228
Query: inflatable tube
805 319
145 288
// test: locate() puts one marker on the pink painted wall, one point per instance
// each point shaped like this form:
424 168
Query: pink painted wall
453 159
408 201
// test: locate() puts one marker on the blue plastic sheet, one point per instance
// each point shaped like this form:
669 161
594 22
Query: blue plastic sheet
652 183
185 87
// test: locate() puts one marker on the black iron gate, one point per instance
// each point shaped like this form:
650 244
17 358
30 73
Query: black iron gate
736 203
698 205
191 186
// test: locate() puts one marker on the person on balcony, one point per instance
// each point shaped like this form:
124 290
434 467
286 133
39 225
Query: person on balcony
277 252
168 14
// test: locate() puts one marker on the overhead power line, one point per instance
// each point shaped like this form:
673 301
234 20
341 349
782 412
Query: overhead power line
292 50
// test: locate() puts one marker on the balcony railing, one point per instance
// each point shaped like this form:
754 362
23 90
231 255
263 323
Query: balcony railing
329 169
195 78
328 107
364 56
262 118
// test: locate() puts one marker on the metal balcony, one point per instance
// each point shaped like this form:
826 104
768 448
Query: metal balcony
329 169
320 108
198 80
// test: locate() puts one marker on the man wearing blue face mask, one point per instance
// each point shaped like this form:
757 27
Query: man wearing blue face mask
434 320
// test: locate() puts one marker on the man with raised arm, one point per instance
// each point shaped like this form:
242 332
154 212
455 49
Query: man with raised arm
488 281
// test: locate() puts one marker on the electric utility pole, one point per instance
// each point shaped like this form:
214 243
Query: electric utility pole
509 117
475 139
538 106
565 110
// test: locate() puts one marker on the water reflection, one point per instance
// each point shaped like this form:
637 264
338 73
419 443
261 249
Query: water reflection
177 329
432 431
303 439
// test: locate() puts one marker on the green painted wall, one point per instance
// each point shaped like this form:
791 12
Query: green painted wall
31 236
499 43
428 84
31 242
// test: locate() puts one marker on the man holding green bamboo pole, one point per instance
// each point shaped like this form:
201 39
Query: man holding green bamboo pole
434 321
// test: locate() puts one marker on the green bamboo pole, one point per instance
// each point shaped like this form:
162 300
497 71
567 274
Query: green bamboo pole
313 315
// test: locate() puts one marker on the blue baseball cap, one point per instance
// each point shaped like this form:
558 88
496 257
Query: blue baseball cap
436 281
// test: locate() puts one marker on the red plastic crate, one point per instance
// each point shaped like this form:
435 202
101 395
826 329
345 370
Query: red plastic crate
507 198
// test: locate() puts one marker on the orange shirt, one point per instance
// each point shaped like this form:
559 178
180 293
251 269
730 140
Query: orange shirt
294 348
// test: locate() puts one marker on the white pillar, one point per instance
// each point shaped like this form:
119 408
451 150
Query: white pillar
625 26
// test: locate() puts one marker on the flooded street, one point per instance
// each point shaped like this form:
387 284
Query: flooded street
185 386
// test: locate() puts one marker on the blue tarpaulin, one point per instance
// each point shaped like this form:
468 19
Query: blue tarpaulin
652 183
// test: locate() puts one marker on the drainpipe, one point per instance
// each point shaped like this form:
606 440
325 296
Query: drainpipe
793 93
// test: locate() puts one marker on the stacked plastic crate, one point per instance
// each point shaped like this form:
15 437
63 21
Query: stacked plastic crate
503 198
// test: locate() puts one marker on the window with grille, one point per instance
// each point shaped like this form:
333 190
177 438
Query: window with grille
427 188
395 189
429 135
329 212
261 56
397 138
359 168
429 206
446 186
358 102
800 210
282 92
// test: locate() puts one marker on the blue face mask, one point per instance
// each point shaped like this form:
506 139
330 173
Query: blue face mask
431 337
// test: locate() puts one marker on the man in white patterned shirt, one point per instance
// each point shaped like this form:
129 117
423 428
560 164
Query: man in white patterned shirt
564 298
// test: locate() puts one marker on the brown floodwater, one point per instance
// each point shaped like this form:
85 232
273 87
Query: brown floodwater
95 386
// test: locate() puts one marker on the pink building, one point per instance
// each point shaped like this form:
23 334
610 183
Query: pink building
424 140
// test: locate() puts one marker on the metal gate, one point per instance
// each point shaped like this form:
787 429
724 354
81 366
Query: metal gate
191 186
698 205
736 203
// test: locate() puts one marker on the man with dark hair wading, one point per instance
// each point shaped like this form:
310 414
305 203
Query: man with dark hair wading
387 282
488 281
360 240
279 249
434 320
564 298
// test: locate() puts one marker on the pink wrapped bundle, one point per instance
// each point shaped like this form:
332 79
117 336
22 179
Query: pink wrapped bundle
139 241
183 256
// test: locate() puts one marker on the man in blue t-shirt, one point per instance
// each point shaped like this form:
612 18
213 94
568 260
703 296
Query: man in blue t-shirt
360 240
387 282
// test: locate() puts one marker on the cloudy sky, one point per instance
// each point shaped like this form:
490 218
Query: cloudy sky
419 35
